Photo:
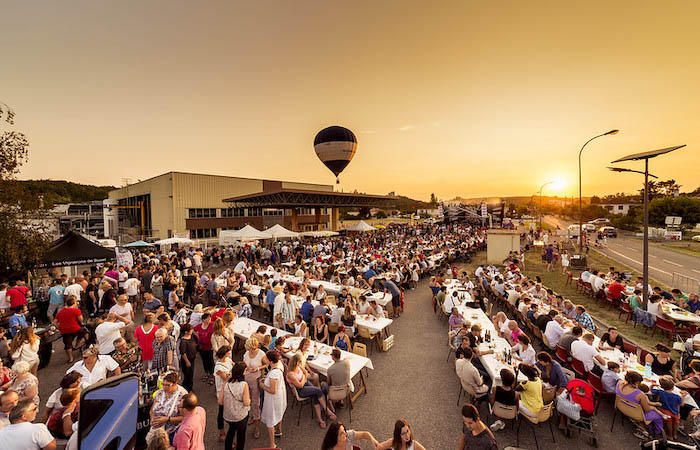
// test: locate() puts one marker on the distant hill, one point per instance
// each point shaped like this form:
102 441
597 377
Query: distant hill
54 191
408 204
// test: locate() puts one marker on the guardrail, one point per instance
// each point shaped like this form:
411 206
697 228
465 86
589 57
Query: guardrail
686 284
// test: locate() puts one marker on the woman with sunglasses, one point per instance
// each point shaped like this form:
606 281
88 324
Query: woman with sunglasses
402 440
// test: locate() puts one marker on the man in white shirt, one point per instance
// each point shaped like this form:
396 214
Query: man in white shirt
583 350
22 434
451 301
109 331
469 375
240 267
514 295
74 289
131 288
8 400
554 330
104 366
123 275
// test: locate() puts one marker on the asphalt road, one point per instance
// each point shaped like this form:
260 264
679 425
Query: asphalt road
663 262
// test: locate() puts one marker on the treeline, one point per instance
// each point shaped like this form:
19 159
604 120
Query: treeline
29 192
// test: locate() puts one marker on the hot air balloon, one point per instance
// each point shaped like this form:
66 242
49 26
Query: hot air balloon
335 146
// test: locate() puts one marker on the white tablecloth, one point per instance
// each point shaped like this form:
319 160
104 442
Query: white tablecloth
244 328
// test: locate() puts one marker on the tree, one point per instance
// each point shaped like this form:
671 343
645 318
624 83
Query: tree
433 199
21 245
661 189
686 207
595 200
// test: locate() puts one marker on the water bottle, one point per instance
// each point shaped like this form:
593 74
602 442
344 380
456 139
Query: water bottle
647 371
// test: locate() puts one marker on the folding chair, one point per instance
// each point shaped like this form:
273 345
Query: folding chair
544 415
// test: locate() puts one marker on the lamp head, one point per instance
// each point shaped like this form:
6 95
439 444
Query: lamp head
611 132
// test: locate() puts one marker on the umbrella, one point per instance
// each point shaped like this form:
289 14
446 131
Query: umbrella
278 231
138 244
361 226
322 233
380 226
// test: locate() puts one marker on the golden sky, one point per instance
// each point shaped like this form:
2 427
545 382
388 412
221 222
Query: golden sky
469 98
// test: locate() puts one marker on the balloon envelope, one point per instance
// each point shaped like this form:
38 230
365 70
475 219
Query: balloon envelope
335 146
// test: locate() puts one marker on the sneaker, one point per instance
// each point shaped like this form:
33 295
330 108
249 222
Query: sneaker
497 425
641 434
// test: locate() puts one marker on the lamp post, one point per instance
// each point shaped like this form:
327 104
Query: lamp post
542 187
646 156
580 196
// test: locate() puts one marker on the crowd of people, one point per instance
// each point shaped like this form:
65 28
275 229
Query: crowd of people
174 307
529 310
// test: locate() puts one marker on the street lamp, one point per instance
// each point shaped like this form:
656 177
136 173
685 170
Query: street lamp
646 156
580 197
542 187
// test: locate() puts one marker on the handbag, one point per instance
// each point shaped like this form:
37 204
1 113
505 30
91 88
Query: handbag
569 408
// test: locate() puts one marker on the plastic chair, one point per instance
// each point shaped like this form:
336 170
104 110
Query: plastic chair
562 355
301 401
630 348
366 336
542 416
474 399
625 308
579 368
597 384
631 410
450 337
669 327
546 343
548 394
504 412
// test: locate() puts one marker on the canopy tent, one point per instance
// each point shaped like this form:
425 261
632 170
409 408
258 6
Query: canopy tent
249 233
277 231
361 226
175 240
138 244
72 249
321 233
228 237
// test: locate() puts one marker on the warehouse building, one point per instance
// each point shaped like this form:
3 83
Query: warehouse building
199 206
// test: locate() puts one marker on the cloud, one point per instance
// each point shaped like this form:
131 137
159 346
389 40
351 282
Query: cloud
405 128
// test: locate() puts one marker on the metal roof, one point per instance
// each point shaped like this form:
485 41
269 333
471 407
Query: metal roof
293 198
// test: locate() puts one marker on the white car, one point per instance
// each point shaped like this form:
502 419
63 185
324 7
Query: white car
600 221
589 226
696 237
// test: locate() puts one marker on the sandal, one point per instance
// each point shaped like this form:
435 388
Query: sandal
322 424
331 415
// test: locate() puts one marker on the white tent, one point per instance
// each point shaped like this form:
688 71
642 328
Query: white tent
227 237
249 233
322 233
361 226
174 240
277 231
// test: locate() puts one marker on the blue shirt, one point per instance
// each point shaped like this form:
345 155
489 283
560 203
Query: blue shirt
306 310
557 377
370 273
270 297
17 319
669 401
56 295
693 306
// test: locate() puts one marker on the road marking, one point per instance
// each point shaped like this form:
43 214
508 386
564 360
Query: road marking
696 271
630 248
671 262
624 256
653 256
635 261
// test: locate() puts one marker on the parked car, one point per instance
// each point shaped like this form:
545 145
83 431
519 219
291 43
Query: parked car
589 226
696 237
608 231
600 221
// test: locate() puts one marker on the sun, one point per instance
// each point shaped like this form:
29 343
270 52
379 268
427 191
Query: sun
558 184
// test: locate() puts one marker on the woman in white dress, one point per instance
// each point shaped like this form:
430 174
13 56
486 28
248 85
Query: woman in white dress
564 261
255 362
275 401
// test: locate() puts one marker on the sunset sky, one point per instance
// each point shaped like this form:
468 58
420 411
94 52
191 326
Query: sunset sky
470 98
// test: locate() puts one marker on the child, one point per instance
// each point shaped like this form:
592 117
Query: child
273 338
670 405
611 375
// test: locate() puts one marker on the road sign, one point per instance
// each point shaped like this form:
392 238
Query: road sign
673 220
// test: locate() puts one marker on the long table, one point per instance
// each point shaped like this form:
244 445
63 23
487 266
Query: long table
244 328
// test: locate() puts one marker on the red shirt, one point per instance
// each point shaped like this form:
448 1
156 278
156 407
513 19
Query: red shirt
146 341
190 434
68 320
616 289
17 295
218 314
204 335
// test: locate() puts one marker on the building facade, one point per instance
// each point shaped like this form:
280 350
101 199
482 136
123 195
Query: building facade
189 204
